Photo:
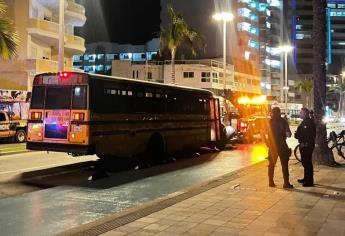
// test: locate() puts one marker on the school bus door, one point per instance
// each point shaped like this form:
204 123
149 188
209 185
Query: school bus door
215 120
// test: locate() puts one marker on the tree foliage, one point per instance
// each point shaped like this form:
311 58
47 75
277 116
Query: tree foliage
178 33
8 35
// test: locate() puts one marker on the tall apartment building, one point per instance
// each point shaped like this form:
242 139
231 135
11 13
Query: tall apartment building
253 37
301 27
37 23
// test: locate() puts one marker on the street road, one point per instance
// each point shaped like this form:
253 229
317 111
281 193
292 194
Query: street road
70 196
31 171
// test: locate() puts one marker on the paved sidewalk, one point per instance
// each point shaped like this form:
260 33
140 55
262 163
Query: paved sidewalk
245 205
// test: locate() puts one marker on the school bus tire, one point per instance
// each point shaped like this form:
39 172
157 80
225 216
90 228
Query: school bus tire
155 150
221 144
20 136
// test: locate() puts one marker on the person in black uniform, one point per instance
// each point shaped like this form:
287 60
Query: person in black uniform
278 131
306 133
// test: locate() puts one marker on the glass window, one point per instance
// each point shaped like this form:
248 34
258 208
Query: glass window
205 77
58 97
2 117
188 74
79 100
38 94
149 75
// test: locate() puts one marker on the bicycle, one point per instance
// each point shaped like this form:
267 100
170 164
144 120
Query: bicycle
335 143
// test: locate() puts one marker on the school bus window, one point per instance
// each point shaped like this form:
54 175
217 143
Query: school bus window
149 95
140 94
79 98
38 95
124 93
58 97
129 93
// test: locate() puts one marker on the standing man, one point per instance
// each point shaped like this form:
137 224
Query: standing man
306 133
278 131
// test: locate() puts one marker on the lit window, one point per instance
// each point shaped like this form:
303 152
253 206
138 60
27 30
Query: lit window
252 43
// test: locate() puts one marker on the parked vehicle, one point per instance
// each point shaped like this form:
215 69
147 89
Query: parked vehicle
12 128
83 114
14 108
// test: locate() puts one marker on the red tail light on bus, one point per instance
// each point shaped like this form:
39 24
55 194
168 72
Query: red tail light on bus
78 116
36 115
65 75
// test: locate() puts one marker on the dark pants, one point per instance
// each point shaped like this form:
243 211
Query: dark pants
284 160
307 162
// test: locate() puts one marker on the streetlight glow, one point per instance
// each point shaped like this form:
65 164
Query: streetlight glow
285 48
223 16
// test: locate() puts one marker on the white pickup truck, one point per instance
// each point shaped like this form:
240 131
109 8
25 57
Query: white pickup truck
12 128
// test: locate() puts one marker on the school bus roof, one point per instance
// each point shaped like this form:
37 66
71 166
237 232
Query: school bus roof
110 78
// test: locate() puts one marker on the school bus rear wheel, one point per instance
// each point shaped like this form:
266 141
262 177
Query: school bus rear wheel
155 151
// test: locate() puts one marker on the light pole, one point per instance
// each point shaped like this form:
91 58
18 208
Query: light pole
61 35
225 17
286 49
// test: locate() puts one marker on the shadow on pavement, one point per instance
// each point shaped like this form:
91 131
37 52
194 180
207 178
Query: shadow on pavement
111 173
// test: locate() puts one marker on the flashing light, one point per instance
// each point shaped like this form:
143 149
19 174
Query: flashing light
255 100
72 136
36 115
244 100
39 134
259 100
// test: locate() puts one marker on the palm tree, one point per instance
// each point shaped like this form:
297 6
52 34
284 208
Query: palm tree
177 33
305 86
8 35
321 153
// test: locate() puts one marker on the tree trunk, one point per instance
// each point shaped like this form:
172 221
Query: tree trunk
321 154
173 54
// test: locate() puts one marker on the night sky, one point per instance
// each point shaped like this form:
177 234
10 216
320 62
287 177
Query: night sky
121 21
138 21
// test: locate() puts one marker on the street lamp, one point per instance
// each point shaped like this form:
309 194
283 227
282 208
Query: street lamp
225 17
286 49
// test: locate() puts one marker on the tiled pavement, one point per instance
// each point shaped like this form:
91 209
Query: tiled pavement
247 206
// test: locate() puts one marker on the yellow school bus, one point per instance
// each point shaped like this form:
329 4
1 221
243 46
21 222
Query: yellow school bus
85 114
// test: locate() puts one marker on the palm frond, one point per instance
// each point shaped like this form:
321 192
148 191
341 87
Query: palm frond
8 39
3 7
178 32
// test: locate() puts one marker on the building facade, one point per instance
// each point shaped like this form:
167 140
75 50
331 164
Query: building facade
206 74
254 36
99 56
301 27
37 24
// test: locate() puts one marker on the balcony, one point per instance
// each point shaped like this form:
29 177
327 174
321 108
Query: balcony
74 45
43 66
48 32
75 14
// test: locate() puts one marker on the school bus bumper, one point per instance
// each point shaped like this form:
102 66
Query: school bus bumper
58 147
